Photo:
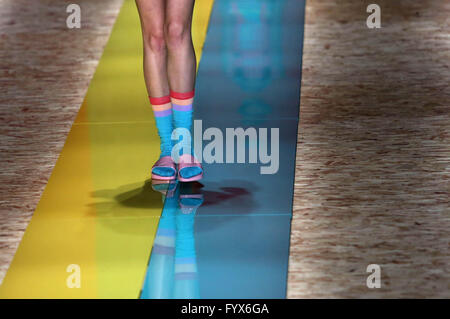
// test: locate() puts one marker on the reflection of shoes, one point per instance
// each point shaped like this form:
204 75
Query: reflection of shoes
188 203
164 169
189 188
189 169
166 188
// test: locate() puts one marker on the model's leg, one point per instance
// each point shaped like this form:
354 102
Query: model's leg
152 15
181 69
181 55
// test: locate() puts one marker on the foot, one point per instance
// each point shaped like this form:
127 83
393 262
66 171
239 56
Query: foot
189 169
164 169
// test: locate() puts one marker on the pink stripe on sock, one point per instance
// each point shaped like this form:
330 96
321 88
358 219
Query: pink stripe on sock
182 102
162 107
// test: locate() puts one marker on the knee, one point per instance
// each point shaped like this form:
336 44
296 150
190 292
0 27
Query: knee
177 34
154 40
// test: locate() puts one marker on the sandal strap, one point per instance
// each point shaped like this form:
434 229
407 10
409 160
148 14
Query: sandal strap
188 160
165 161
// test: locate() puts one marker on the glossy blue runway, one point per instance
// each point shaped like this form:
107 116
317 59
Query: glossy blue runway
228 237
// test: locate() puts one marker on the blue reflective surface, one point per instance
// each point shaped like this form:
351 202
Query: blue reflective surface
251 64
215 256
243 257
247 191
228 236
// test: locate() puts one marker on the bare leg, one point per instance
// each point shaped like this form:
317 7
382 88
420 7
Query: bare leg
181 69
152 15
181 65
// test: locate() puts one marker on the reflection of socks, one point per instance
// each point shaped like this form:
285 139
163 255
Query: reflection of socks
186 281
160 272
162 108
182 117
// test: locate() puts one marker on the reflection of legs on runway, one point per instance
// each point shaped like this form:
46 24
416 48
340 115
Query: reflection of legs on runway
159 280
186 280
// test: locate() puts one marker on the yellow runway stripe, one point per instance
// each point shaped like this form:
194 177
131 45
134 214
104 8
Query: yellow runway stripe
97 212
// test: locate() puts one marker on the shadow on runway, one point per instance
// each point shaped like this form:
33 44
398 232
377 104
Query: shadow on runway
146 197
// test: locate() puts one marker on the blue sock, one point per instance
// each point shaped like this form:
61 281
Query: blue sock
182 117
162 108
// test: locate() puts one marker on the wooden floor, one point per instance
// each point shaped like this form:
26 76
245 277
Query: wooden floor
40 95
372 181
373 158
